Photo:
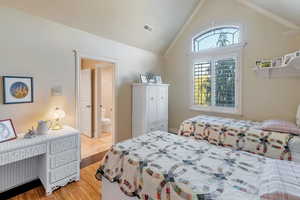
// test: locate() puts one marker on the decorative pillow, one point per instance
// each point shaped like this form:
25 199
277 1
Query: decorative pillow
280 180
280 126
298 117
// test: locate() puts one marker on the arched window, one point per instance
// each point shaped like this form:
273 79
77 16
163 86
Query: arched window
216 73
217 37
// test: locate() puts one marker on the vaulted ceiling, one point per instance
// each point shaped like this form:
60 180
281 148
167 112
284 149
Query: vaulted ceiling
120 20
124 20
288 9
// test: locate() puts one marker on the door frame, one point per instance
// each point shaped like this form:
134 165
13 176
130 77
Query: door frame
78 57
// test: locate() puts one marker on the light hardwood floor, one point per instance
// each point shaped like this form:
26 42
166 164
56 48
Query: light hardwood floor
92 146
88 188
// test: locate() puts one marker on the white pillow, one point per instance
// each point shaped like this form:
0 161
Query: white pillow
298 117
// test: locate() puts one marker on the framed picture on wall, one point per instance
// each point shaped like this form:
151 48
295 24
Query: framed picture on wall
17 89
7 130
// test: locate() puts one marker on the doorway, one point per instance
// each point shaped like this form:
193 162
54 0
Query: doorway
96 82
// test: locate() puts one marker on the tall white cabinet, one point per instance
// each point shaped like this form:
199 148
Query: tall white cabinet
149 108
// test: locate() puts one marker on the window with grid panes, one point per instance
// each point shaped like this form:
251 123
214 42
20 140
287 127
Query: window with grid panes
216 74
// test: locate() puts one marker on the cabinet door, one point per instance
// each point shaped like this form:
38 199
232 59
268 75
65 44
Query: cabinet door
151 106
162 106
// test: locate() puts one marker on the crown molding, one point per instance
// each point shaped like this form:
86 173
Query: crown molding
270 14
184 27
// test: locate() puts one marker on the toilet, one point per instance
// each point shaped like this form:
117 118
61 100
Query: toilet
105 122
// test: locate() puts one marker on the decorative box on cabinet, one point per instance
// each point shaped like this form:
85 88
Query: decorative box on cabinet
53 158
149 108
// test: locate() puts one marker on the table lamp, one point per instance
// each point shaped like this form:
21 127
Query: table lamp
57 115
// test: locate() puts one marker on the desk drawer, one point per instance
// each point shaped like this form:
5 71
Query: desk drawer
64 158
61 145
22 154
63 172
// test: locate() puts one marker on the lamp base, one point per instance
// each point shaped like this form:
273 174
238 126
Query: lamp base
56 125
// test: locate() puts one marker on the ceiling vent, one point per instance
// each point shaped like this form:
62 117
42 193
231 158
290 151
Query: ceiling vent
148 28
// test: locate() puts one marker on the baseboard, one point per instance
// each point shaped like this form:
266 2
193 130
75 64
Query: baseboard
173 130
20 189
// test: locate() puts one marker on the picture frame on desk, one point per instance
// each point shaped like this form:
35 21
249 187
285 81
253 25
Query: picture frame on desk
7 130
17 89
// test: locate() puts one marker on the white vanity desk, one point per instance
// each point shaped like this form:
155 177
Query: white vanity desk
53 158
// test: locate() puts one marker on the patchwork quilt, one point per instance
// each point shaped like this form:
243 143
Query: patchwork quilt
164 166
240 135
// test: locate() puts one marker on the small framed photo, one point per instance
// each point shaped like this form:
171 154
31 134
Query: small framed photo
150 78
17 89
143 78
158 79
289 57
7 130
266 64
278 61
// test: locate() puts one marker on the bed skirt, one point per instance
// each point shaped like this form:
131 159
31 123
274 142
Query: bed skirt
111 191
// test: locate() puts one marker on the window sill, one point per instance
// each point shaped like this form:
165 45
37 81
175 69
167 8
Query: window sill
216 110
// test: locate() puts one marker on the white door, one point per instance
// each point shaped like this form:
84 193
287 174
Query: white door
86 102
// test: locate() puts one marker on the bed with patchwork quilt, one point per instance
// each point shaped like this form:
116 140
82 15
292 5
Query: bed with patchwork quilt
242 135
164 166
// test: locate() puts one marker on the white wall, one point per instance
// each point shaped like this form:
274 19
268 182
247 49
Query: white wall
32 46
261 98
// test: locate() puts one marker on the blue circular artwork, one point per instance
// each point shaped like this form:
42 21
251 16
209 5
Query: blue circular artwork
19 90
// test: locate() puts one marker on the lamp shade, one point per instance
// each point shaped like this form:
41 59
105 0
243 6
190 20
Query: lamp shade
58 114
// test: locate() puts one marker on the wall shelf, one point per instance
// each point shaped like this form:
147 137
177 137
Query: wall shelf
292 69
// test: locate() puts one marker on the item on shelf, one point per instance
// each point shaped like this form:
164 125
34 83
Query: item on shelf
278 61
289 57
265 64
57 115
7 130
258 63
30 134
17 89
158 79
143 78
151 78
43 127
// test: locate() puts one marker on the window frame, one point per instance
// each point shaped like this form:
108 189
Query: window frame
239 45
213 54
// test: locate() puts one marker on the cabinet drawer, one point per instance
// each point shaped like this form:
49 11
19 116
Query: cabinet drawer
64 158
63 172
61 145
